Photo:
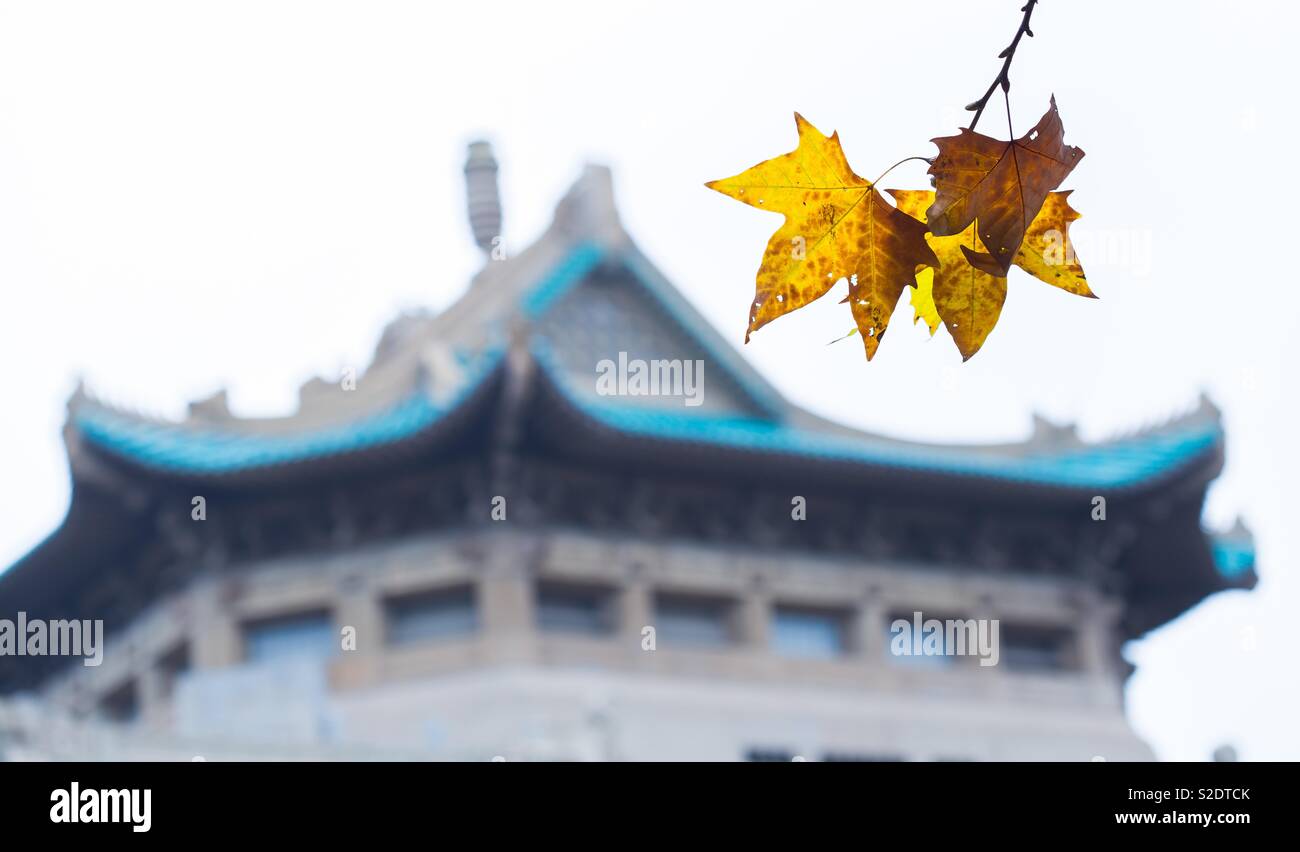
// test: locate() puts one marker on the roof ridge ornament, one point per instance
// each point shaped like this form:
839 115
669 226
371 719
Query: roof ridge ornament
1203 413
1205 407
1051 434
1238 532
215 406
483 197
588 210
80 394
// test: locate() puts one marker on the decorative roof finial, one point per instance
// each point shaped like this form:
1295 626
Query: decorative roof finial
481 196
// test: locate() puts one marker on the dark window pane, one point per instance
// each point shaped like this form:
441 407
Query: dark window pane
694 621
1035 648
122 704
172 665
575 609
431 615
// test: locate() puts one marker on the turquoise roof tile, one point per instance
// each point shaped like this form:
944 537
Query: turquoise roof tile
214 451
1233 558
1112 465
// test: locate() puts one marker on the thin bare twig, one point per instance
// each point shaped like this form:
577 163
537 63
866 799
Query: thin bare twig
1006 55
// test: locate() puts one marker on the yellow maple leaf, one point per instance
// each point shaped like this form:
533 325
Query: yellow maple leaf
837 225
923 301
1047 253
968 299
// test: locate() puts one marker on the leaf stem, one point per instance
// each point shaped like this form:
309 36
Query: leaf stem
896 165
1006 55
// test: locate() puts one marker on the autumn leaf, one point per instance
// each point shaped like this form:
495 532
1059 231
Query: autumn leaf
968 299
837 225
923 308
1002 184
1047 253
995 205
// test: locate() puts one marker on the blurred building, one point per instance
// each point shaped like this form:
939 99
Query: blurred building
474 548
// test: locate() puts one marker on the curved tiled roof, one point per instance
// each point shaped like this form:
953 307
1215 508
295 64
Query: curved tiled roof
211 449
214 451
1118 464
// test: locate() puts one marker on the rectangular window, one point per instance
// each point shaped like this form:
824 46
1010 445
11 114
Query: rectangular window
585 610
171 666
428 616
1027 647
306 635
692 620
810 633
907 646
122 704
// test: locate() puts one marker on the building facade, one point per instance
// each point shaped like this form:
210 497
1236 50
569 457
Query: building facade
480 548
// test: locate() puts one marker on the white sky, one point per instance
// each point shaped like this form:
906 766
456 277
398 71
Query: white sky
240 195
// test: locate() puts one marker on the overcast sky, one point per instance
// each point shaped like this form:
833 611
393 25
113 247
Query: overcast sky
240 195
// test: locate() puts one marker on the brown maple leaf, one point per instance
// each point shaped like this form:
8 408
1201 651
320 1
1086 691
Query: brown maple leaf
968 299
999 185
837 225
